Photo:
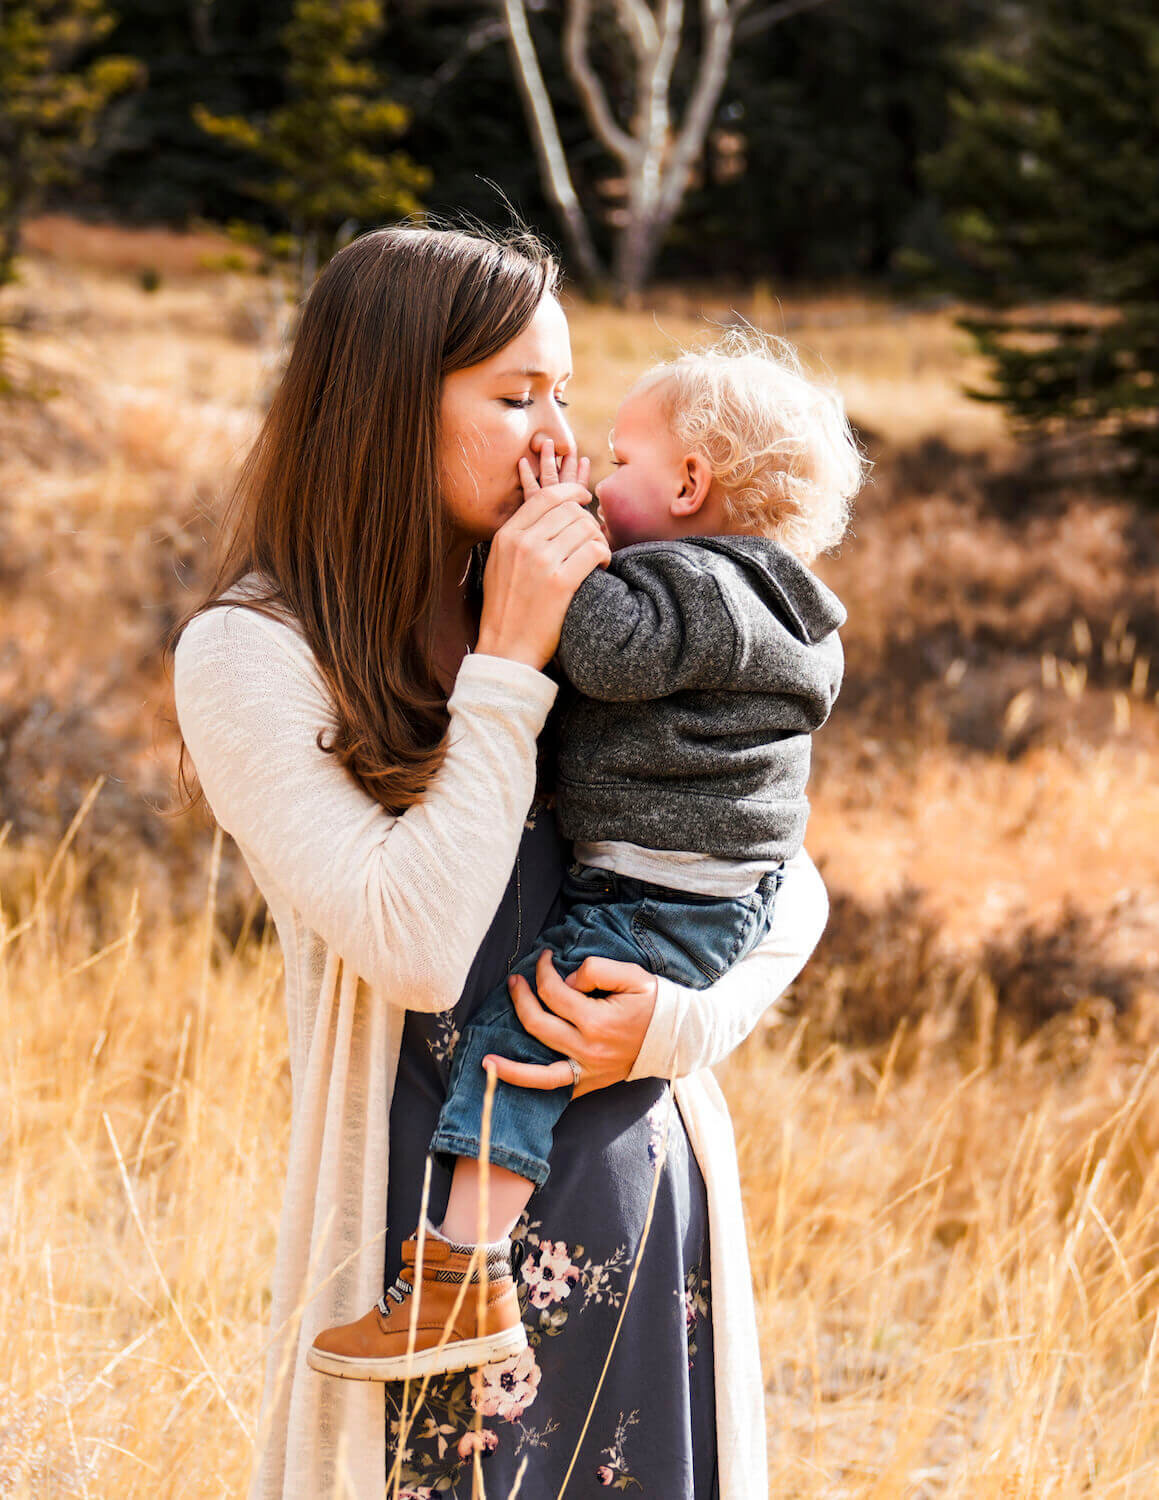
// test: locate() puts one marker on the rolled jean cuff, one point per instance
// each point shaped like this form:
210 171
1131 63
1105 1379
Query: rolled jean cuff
447 1145
522 1120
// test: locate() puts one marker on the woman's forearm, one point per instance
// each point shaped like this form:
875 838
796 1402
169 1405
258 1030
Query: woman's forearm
692 1029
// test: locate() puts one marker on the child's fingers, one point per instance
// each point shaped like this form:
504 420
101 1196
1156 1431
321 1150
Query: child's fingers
527 479
584 473
548 468
569 469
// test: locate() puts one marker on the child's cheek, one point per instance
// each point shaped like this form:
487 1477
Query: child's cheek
629 516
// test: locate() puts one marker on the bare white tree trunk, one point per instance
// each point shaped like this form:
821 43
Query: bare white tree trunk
549 151
657 151
641 147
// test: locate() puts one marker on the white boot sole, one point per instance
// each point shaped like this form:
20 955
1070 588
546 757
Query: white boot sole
463 1355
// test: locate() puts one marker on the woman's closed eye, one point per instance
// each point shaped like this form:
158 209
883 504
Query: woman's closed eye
521 403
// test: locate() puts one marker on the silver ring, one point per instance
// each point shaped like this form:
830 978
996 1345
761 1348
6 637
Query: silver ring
576 1071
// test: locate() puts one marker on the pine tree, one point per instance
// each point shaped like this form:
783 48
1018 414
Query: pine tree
161 167
50 103
324 143
1051 179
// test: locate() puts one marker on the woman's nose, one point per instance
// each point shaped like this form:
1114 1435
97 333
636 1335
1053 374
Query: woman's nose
554 427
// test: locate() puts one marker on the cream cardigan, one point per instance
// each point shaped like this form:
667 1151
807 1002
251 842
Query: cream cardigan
377 915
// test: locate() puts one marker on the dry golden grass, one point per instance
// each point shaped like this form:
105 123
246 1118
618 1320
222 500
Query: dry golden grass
953 1223
955 1262
144 1130
956 1272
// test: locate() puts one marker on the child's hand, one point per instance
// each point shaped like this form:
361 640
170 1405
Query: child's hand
557 482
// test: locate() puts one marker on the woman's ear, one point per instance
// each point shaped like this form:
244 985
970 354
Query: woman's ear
696 481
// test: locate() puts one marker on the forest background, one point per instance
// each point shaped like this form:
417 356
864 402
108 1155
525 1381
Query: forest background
949 1130
813 167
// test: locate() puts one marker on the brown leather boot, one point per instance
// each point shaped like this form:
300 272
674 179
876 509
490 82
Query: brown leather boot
375 1347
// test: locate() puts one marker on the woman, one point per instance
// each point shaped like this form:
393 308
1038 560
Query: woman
365 727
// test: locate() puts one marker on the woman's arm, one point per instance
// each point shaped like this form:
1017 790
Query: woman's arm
649 1027
693 1029
405 900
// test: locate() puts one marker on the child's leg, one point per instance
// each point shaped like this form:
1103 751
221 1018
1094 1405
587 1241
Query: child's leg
521 1120
507 1195
467 1308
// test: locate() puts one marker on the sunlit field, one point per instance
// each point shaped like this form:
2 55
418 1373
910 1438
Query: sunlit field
949 1131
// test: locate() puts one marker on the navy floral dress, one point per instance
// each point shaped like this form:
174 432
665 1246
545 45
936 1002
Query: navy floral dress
652 1425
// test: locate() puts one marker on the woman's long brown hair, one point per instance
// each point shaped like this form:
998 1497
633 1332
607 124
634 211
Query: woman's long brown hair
338 509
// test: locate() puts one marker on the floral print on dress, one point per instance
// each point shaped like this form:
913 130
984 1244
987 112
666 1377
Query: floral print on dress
553 1281
550 1273
437 1442
444 1037
659 1119
695 1296
530 1437
615 1474
483 1440
508 1388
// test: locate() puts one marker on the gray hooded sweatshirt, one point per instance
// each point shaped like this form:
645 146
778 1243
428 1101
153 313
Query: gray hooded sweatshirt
698 671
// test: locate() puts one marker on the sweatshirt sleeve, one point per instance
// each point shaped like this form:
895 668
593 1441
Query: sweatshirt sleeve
404 900
693 1029
651 624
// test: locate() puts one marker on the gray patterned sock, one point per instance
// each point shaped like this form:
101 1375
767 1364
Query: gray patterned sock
497 1254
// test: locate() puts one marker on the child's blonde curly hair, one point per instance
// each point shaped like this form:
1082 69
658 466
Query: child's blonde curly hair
778 443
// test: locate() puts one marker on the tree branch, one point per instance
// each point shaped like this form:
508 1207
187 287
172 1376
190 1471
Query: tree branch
595 102
545 138
481 35
710 80
653 109
670 30
772 15
640 25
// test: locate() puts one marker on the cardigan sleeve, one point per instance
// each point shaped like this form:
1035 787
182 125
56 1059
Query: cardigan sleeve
404 900
693 1029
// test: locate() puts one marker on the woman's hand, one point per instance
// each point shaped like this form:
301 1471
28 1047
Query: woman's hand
537 561
604 1034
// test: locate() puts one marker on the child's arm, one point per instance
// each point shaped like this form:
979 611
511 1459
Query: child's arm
654 623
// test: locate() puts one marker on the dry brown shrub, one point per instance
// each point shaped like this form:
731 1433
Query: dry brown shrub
885 978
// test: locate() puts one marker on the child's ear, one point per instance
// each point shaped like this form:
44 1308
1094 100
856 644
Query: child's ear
696 481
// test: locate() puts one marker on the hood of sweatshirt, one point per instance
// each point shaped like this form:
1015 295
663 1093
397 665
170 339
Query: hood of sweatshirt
809 610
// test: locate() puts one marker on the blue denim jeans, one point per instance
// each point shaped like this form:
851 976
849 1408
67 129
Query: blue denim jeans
687 937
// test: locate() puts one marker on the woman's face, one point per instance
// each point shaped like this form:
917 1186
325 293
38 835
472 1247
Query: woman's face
497 412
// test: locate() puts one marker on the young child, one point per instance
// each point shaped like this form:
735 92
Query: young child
699 663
